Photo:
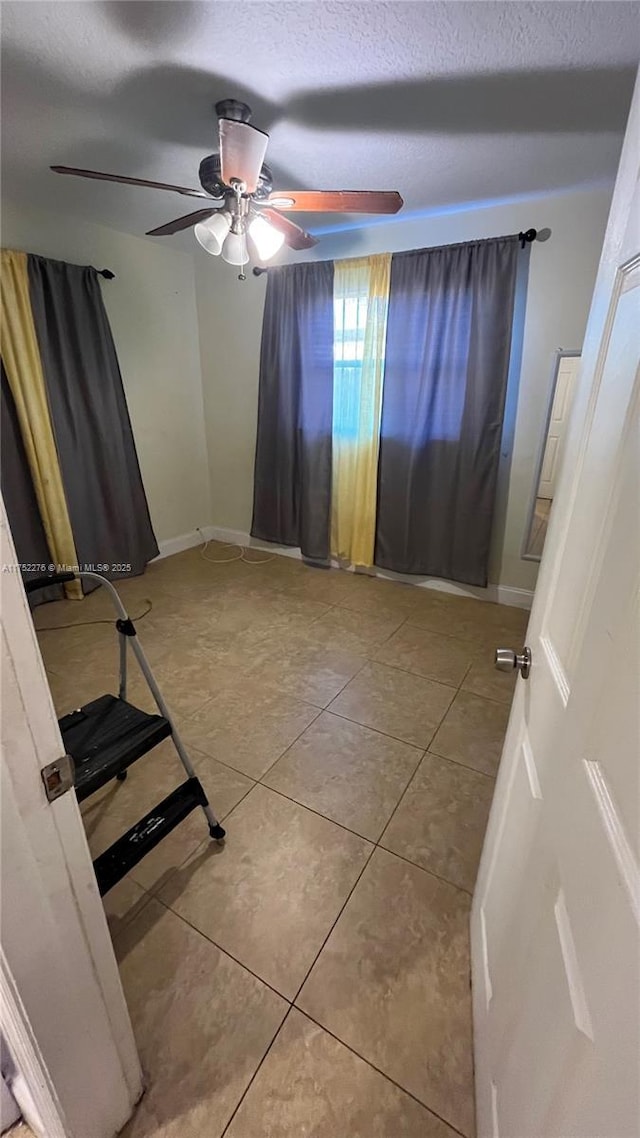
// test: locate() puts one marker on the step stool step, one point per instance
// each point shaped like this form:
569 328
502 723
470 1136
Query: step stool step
112 865
105 737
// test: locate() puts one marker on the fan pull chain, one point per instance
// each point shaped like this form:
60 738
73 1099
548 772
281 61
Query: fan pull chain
241 274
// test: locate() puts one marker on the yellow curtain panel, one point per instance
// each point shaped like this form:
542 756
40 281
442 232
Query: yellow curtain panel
21 357
361 303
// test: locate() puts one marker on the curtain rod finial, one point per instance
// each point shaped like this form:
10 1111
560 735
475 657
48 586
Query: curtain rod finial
106 273
527 237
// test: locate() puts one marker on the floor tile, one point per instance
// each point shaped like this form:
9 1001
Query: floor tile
482 623
189 677
20 1130
509 620
346 631
135 591
223 786
69 651
441 820
349 773
94 606
305 671
171 629
472 732
264 609
270 895
248 726
247 656
392 982
379 597
202 1025
461 617
328 585
123 903
115 807
427 654
483 678
70 692
397 703
278 567
311 1085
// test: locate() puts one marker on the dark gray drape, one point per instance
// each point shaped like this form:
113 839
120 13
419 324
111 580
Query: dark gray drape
292 484
447 357
20 498
102 483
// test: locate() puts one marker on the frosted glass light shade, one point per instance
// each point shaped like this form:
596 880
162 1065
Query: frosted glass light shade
266 238
211 234
234 250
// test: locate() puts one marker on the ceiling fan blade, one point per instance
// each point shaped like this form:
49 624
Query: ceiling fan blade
242 151
337 201
129 181
295 237
185 222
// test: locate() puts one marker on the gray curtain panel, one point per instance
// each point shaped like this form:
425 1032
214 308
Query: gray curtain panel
447 358
20 498
292 483
102 483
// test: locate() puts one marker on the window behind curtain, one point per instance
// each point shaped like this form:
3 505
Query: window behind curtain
349 324
361 301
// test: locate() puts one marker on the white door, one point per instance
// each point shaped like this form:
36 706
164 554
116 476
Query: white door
556 912
63 1017
565 380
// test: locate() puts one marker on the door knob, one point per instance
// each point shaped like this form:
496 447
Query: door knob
507 660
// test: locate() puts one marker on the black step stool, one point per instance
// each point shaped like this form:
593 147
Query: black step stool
107 735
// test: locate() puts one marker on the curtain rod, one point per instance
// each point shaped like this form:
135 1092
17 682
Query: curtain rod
524 237
106 273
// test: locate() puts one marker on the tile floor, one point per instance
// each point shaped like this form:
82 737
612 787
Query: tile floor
311 976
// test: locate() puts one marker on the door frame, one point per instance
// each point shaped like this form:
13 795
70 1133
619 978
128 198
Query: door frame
558 355
64 1016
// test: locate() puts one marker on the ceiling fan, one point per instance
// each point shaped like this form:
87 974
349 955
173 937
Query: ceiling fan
245 211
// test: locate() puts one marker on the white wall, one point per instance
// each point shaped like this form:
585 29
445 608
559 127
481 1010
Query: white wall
152 310
561 277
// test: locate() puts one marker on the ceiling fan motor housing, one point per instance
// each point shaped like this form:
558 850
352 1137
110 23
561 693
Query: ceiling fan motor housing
233 109
211 181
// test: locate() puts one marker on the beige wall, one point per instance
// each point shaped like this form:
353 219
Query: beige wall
189 344
561 278
230 321
152 311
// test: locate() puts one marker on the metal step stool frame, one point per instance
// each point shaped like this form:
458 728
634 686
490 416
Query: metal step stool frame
128 638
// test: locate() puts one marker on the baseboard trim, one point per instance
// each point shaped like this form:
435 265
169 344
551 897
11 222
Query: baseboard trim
499 594
517 598
178 544
237 537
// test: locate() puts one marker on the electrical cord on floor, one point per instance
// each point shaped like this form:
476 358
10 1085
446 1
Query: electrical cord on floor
220 560
241 556
85 623
262 561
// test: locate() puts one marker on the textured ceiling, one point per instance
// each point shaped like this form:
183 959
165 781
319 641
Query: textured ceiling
446 102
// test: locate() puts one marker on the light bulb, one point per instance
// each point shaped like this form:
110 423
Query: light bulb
211 233
266 238
234 250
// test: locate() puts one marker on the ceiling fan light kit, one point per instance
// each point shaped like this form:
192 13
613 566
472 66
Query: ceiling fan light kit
267 240
213 232
234 250
244 207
